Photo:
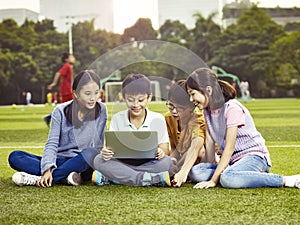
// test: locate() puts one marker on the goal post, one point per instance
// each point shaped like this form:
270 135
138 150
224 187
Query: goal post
113 91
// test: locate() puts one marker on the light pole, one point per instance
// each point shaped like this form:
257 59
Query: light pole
69 23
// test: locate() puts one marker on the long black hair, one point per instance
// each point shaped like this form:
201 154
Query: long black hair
178 94
222 91
71 111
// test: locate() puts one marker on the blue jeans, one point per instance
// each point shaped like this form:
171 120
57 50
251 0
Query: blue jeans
251 171
29 163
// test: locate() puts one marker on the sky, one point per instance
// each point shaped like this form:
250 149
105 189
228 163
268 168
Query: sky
33 5
128 11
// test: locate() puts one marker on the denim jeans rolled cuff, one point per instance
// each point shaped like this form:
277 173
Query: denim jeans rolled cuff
202 172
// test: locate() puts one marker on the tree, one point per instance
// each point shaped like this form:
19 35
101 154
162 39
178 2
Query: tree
9 38
89 43
241 47
5 68
204 34
141 30
287 50
48 59
47 33
44 26
175 31
285 66
23 75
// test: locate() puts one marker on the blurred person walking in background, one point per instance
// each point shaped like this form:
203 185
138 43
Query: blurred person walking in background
244 87
65 74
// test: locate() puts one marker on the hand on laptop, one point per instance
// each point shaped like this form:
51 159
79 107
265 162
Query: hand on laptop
107 153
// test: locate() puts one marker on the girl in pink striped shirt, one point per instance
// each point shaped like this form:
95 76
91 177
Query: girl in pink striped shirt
245 161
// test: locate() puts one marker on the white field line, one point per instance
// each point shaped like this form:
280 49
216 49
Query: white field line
17 147
25 146
283 146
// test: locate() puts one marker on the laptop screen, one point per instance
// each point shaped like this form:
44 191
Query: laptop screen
132 144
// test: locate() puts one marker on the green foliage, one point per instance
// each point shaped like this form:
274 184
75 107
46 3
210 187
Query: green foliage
204 36
277 119
255 48
35 49
90 44
287 50
176 32
141 30
5 68
245 46
9 38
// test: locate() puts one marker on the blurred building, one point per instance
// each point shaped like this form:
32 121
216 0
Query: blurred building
184 10
19 15
73 11
281 16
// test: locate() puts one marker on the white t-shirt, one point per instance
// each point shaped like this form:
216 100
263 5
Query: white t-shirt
154 122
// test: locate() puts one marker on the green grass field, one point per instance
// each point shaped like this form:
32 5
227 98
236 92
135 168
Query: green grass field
23 128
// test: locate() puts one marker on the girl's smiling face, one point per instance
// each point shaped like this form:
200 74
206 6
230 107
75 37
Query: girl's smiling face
198 98
88 95
178 111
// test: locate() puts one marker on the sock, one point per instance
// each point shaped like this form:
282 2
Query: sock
146 181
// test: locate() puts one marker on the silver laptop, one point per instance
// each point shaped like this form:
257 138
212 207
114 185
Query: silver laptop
132 144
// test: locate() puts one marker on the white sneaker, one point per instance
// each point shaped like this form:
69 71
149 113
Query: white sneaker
22 178
74 178
297 182
292 181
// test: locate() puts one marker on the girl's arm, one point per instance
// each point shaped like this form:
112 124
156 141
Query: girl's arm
190 159
224 161
210 150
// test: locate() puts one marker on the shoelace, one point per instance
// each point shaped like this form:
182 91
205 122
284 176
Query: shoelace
104 180
30 180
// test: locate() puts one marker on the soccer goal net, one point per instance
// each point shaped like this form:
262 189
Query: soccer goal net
113 91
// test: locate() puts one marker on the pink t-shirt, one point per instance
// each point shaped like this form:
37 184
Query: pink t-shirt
235 116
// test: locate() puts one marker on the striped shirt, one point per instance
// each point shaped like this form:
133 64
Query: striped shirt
248 140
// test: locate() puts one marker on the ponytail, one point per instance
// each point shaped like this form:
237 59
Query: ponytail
228 91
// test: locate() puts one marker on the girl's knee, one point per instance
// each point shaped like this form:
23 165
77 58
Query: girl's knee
229 180
13 157
89 155
225 180
197 175
168 161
